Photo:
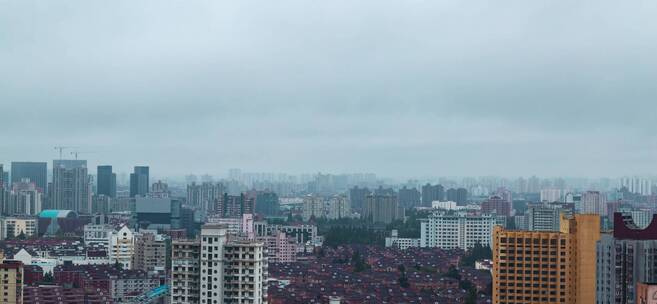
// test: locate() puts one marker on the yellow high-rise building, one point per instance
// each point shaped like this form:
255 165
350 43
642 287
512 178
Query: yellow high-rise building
546 267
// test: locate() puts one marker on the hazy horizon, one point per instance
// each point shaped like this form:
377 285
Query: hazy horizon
401 89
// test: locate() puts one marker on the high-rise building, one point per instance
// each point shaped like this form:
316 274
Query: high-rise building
551 195
185 271
245 272
139 184
12 282
460 195
24 199
497 205
205 196
357 198
544 266
636 185
235 205
382 209
150 252
215 269
122 247
624 258
337 207
266 203
313 207
594 202
106 181
213 240
451 230
432 193
544 217
36 172
409 198
71 189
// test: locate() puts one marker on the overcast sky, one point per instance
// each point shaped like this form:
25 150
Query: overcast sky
397 88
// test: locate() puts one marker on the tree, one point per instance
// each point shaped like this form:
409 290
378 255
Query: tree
48 278
476 253
453 273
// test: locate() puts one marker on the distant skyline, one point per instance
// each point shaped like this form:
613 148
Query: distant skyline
402 89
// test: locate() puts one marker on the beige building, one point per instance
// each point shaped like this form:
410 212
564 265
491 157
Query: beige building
11 227
150 252
546 267
185 271
11 283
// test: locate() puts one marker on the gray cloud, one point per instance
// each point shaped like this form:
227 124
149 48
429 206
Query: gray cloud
400 88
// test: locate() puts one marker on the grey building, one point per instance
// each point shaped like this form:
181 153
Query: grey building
139 184
382 209
544 217
36 172
106 181
409 197
71 190
432 193
623 259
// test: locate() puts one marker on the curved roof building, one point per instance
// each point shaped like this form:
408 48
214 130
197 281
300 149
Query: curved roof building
58 214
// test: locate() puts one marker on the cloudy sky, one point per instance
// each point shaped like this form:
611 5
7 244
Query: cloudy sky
398 88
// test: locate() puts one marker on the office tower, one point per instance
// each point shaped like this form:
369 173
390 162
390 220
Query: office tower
357 197
185 271
106 181
382 209
4 183
150 252
24 199
101 204
71 185
450 230
122 247
432 193
36 172
546 267
139 184
313 207
409 198
625 258
267 203
497 205
12 282
550 195
337 208
594 202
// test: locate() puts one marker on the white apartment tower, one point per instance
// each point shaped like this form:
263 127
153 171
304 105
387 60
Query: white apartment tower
213 239
456 230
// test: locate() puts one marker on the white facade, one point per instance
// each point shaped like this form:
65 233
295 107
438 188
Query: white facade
338 207
11 227
450 231
402 243
97 235
245 273
448 205
594 202
122 247
641 218
636 185
313 206
213 239
551 195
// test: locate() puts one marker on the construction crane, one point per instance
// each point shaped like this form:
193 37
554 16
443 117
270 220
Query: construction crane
76 153
61 149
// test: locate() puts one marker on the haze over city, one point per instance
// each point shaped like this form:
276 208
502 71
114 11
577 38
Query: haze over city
402 89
